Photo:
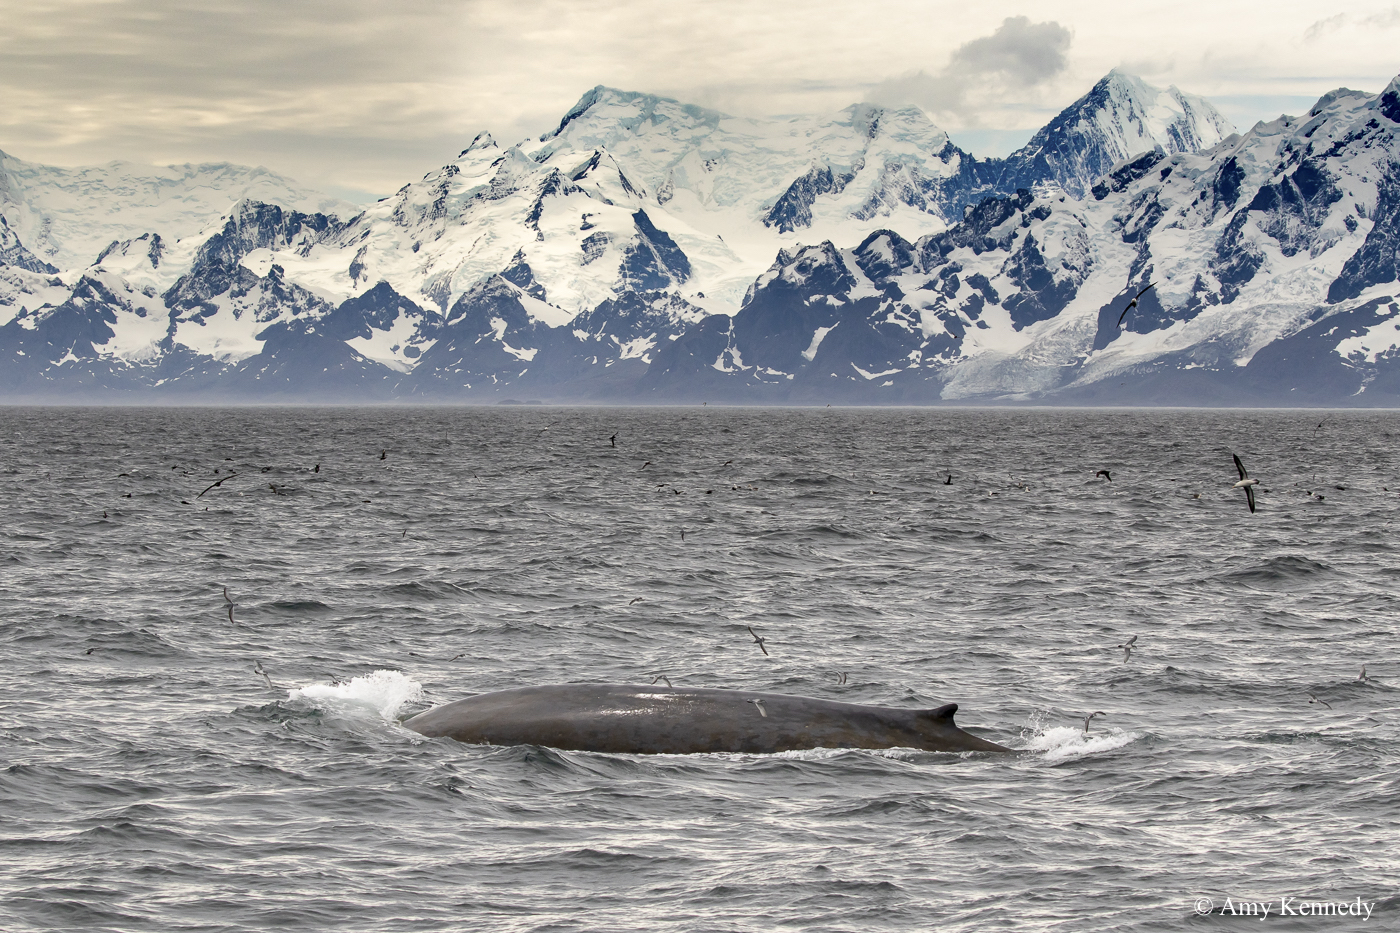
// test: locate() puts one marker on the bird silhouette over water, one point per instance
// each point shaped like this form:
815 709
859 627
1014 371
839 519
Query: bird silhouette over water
1133 304
757 640
635 600
662 677
758 704
1127 647
1105 474
1090 718
613 440
231 604
384 455
949 480
1314 698
1245 482
257 666
215 484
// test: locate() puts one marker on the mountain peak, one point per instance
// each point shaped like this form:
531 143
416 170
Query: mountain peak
481 141
1388 101
1121 116
611 112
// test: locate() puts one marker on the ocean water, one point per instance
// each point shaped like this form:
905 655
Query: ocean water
151 779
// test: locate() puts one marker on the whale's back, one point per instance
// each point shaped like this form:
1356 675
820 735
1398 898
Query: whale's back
627 718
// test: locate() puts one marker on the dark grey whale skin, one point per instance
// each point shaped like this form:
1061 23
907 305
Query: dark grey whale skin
625 718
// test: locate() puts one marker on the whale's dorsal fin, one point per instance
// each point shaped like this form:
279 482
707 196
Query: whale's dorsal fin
945 711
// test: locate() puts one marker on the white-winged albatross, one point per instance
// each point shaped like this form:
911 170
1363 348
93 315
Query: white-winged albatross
1245 482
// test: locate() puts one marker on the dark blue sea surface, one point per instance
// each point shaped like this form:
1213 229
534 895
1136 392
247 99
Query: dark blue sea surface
152 780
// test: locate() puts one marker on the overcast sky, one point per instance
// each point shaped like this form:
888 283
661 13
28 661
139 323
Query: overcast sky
360 96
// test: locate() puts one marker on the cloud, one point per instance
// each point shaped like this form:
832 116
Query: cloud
1025 53
369 94
1323 26
1019 56
1386 19
180 79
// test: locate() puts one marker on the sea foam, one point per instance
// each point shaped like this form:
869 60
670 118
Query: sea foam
1061 743
383 692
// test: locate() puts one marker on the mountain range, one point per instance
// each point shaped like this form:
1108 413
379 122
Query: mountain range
646 250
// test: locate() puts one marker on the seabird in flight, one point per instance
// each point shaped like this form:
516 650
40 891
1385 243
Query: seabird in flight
219 483
758 640
1133 304
1245 482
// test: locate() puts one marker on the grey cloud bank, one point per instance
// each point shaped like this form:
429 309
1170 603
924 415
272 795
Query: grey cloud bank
362 95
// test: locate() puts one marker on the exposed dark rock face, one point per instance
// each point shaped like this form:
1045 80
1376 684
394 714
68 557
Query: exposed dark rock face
218 266
1124 175
653 260
14 253
1043 295
793 210
1376 261
520 273
1072 151
376 309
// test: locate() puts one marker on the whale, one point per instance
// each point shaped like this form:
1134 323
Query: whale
633 719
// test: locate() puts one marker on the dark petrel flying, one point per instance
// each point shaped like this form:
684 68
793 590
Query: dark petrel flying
219 483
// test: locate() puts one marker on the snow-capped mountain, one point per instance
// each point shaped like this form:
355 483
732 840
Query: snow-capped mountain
1120 117
68 216
1272 258
628 255
634 190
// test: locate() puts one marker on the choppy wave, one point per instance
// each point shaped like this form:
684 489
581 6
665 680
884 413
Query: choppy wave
157 771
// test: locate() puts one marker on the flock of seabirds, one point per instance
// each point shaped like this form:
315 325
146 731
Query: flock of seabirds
1246 483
